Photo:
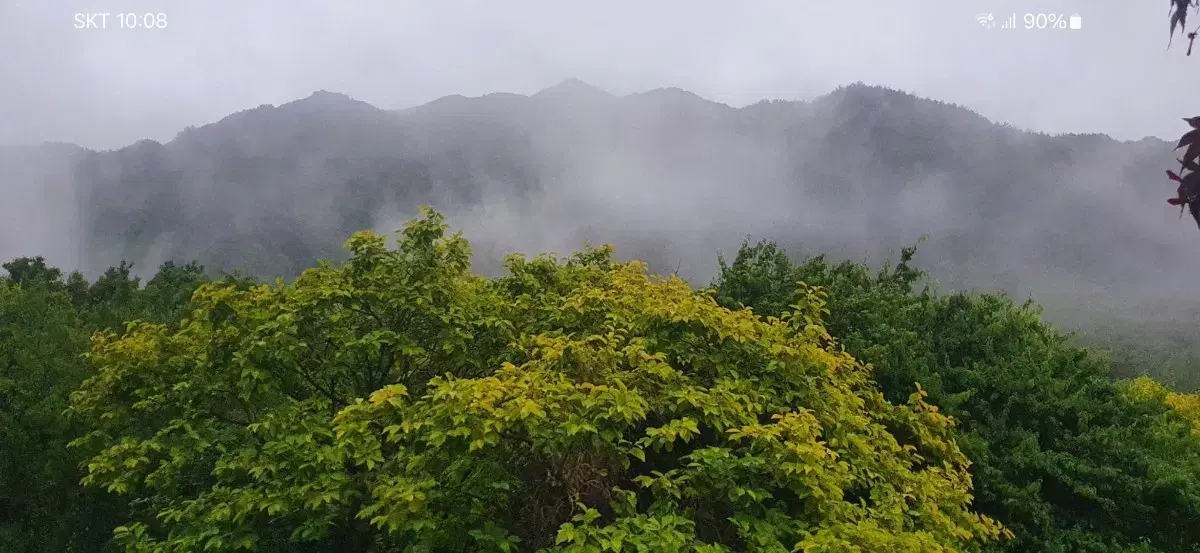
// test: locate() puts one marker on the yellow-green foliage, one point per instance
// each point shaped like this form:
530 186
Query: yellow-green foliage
401 403
1185 405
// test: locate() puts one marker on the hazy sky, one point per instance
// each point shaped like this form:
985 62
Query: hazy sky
104 88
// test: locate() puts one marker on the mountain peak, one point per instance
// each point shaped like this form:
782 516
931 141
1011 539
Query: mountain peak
573 88
673 94
327 94
324 100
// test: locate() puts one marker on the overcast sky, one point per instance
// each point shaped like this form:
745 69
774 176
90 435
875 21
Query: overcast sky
104 88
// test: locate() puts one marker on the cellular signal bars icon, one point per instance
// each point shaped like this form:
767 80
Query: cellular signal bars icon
1010 23
985 20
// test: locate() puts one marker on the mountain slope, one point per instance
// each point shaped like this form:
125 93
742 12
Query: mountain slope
665 174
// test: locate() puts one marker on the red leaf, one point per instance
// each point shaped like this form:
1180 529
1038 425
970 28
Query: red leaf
1187 138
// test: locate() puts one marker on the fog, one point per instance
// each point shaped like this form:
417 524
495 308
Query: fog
669 176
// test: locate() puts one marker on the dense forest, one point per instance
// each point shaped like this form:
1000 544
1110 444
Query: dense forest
399 400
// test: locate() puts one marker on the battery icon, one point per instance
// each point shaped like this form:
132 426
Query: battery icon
1076 21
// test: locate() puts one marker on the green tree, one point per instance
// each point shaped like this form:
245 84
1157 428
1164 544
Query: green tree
111 299
44 327
42 507
1062 455
401 403
30 270
166 296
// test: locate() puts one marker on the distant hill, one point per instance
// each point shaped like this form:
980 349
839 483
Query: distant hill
665 174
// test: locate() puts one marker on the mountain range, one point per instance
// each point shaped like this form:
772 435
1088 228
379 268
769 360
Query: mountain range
665 175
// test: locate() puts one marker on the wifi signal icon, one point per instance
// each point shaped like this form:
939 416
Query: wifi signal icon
985 20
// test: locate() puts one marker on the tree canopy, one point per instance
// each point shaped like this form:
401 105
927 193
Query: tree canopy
398 401
1066 457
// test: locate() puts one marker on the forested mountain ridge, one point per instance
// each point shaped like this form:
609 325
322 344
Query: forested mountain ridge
665 174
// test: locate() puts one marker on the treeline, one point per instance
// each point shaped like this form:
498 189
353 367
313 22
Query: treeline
400 402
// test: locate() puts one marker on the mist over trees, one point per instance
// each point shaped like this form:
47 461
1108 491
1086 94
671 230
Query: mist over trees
1076 221
866 322
670 177
820 386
